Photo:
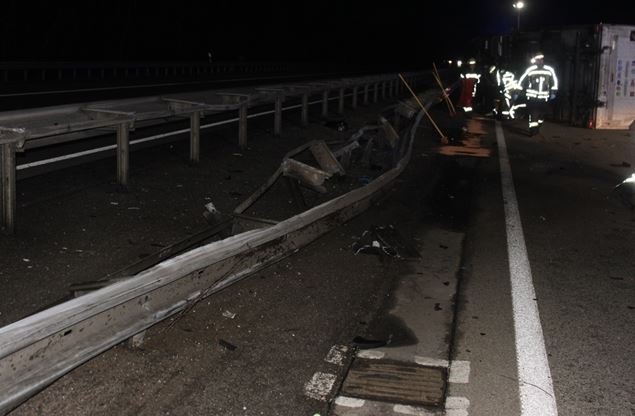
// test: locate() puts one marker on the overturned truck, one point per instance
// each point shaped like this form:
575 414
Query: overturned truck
39 349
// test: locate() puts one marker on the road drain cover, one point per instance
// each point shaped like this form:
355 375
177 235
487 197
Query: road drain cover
395 382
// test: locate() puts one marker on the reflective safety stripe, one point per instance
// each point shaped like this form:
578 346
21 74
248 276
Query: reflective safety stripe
467 109
533 124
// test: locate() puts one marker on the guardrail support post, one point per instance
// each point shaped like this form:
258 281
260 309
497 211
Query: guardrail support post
325 103
391 88
7 179
195 137
376 93
242 126
277 116
355 91
340 104
383 90
366 86
304 117
123 154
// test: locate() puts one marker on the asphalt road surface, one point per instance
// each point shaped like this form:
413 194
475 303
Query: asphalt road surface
553 330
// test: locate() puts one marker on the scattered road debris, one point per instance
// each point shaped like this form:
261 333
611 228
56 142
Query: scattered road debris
227 345
384 240
338 124
229 314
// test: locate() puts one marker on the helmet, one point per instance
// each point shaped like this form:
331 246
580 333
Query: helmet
538 56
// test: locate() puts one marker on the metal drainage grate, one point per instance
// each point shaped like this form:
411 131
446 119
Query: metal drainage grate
395 382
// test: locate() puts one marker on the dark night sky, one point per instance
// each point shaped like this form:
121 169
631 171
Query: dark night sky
406 32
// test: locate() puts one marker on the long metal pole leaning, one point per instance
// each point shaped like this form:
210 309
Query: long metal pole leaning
446 97
443 137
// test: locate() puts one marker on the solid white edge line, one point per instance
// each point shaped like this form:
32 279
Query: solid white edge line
151 138
535 385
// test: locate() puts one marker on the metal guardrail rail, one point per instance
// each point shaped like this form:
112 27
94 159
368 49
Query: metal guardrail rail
37 350
24 129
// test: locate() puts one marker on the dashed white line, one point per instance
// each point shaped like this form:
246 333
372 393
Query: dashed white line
413 411
431 362
336 354
459 372
320 385
534 376
456 406
349 401
371 354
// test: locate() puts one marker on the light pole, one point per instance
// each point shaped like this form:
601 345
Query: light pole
518 6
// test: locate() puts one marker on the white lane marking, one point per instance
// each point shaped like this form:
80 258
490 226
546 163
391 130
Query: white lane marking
456 406
534 376
349 401
320 386
459 372
413 411
431 362
336 354
371 354
456 412
152 138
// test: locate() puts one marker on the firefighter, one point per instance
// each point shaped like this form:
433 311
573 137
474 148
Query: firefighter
506 85
469 79
540 84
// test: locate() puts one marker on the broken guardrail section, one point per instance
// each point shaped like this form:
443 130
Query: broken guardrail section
39 349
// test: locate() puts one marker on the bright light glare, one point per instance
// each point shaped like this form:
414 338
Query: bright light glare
519 5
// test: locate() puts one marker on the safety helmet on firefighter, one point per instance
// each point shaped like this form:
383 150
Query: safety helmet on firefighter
538 56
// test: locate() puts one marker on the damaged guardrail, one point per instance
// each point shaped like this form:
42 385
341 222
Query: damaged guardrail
39 349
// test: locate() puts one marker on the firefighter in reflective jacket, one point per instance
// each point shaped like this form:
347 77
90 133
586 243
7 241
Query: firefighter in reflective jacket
469 79
505 85
540 85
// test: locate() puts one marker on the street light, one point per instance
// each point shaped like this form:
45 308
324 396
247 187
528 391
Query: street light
518 6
